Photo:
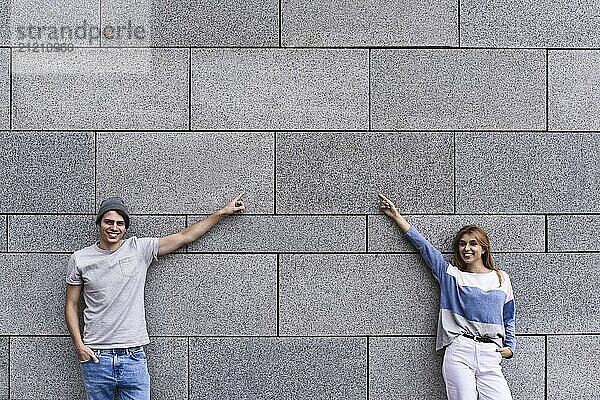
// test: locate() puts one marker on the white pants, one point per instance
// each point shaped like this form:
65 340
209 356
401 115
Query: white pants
472 371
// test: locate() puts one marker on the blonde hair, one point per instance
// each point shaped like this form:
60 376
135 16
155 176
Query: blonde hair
484 242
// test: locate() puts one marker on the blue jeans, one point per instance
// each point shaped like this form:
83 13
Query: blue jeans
122 370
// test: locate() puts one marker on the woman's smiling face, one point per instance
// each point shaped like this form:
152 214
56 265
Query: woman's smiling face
469 249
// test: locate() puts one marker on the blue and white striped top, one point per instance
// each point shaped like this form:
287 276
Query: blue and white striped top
472 303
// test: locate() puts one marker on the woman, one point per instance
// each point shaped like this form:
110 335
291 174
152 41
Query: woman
476 321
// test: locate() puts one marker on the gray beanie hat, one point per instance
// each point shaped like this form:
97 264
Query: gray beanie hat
113 204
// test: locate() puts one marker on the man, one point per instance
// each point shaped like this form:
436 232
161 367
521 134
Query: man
112 275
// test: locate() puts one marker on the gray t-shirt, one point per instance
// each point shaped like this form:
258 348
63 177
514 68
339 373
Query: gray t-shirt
113 291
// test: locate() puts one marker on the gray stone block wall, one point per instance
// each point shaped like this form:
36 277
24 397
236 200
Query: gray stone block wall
93 88
572 95
573 233
570 367
265 368
368 23
342 172
417 89
279 89
47 172
530 23
204 23
461 112
186 172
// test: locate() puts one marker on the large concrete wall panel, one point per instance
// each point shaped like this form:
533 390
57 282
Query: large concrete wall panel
204 23
572 91
31 25
284 234
573 233
44 368
572 362
186 172
5 30
204 295
342 172
46 172
529 23
358 294
50 233
278 368
283 89
32 294
101 89
338 23
440 89
168 367
503 173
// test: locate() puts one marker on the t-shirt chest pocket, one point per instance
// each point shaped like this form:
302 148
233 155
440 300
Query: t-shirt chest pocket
128 266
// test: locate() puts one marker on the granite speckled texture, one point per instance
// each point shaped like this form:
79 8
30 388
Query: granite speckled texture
32 294
279 233
168 367
504 173
3 233
573 233
554 293
421 89
459 111
511 233
101 89
50 233
4 89
30 22
4 365
572 367
202 23
46 172
262 89
5 24
389 355
525 372
370 23
44 368
360 294
278 368
529 23
572 93
342 172
193 295
193 173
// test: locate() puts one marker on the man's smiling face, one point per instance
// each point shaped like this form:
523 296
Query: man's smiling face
111 229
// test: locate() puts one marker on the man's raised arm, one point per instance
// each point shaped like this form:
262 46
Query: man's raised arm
169 244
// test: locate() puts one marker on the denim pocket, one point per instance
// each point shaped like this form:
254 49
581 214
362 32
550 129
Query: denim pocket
128 266
139 355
